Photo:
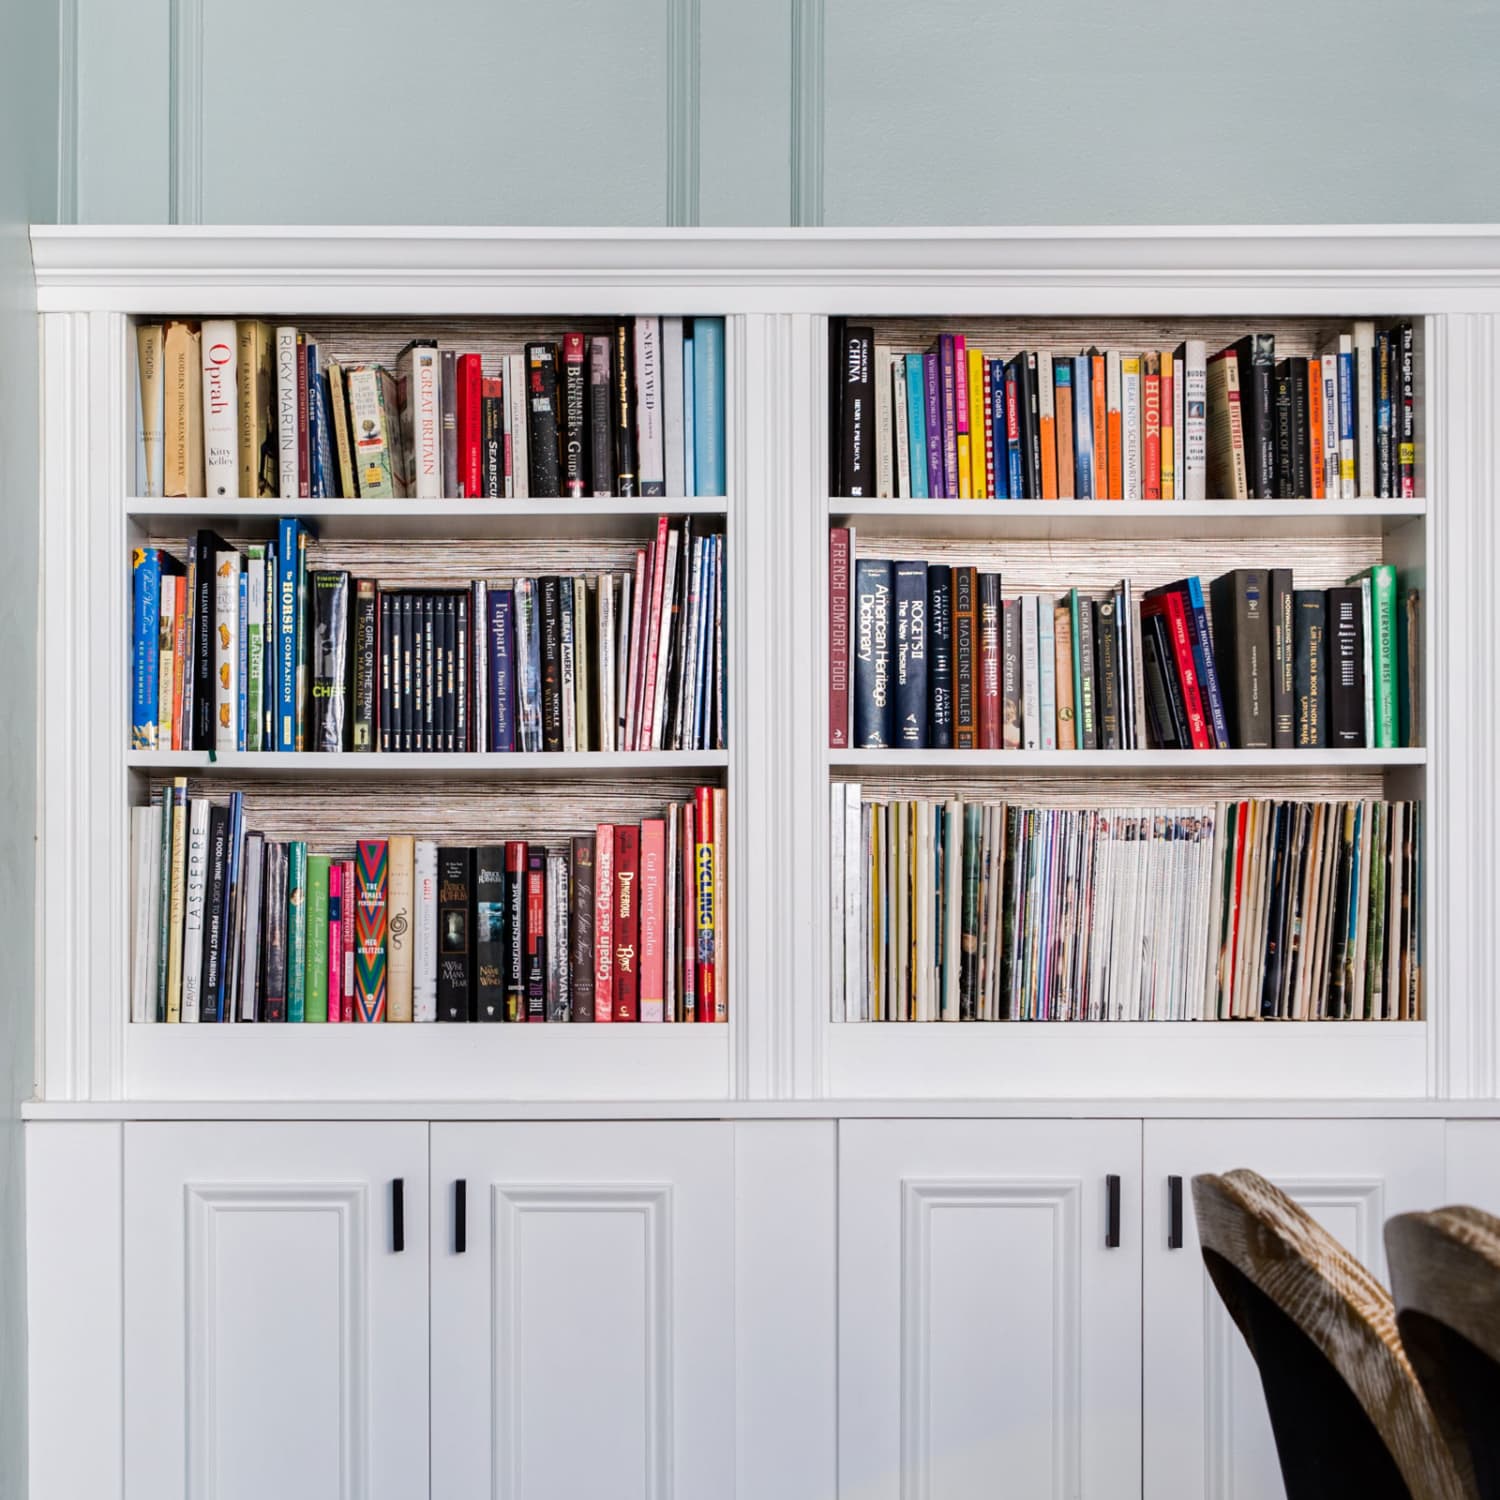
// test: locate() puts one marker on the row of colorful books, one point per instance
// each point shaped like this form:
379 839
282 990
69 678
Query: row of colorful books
934 656
989 911
241 408
1169 424
254 649
623 923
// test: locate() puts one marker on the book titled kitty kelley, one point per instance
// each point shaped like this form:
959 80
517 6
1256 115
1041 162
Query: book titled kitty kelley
371 884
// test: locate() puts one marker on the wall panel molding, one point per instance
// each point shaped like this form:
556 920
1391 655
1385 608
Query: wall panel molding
808 78
684 55
185 113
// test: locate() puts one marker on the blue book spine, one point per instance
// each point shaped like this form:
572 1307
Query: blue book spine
1346 398
948 394
315 475
916 426
502 670
530 689
911 654
874 702
708 405
1083 428
1014 416
1203 661
145 661
231 884
932 394
244 663
286 634
940 656
689 414
997 429
1383 476
270 654
324 449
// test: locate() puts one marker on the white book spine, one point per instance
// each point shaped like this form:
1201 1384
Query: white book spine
624 613
657 740
606 660
1045 396
421 421
1195 420
1329 437
479 634
1364 409
192 918
1047 671
648 383
145 828
226 650
671 405
151 389
1130 427
520 441
1111 410
855 992
424 914
884 437
286 412
837 932
221 409
1031 710
900 418
166 637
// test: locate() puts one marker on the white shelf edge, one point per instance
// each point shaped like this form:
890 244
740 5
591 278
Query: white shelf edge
1184 761
272 507
1246 509
455 762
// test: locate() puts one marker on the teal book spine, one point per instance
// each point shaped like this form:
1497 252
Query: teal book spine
296 928
1383 653
916 423
708 405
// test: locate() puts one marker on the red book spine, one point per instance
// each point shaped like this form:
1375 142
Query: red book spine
604 922
1151 436
627 922
1192 698
536 935
653 634
839 541
653 924
304 456
333 939
989 662
703 906
470 425
346 936
687 895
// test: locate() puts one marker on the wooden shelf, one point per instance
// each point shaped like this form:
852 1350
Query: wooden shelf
1173 762
499 767
1124 518
356 520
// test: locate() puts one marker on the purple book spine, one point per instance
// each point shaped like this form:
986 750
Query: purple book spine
502 671
934 397
950 417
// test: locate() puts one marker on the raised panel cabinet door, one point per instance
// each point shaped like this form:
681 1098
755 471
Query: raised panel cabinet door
989 1335
1207 1436
275 1336
583 1336
1473 1164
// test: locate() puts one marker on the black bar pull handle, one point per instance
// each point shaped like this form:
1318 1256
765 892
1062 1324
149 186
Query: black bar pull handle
1112 1211
398 1215
460 1216
1174 1213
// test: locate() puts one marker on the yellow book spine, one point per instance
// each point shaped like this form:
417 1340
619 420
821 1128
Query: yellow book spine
979 479
1171 372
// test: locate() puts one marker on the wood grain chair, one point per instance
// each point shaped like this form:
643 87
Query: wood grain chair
1347 1411
1445 1273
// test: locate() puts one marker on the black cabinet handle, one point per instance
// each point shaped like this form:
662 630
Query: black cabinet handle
1112 1211
1174 1213
460 1216
398 1215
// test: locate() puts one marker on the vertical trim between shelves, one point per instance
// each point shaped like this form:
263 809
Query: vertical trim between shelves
808 76
684 112
185 113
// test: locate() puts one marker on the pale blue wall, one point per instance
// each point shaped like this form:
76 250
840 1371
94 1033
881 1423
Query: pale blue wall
28 192
746 112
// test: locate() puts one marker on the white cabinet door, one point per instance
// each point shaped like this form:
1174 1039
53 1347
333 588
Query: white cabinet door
1207 1436
1473 1148
275 1336
989 1340
583 1339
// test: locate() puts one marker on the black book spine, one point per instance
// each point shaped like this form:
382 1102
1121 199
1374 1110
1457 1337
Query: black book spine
965 656
552 723
581 927
408 701
1030 424
857 464
447 609
1383 431
1302 437
1242 653
1263 369
1310 672
1088 713
911 654
940 656
1011 728
205 545
601 417
874 705
330 659
430 683
1283 662
455 951
575 451
273 925
214 951
1156 636
1107 649
489 932
1270 989
1346 696
463 685
364 664
1283 412
515 931
1406 448
541 418
492 432
627 477
836 334
1162 734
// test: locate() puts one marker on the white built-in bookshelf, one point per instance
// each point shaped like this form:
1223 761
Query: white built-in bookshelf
776 290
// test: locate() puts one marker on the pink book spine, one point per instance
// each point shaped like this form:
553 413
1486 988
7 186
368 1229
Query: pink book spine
653 919
604 922
653 631
961 383
689 898
632 691
335 940
346 925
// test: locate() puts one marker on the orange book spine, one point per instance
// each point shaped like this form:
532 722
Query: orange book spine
1101 428
179 661
1150 427
1315 428
1063 404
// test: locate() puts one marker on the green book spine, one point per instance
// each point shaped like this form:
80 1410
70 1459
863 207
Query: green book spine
301 645
296 932
1078 704
1375 946
255 646
317 925
1383 651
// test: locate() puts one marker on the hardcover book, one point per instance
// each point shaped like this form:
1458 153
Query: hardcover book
371 885
455 938
490 955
